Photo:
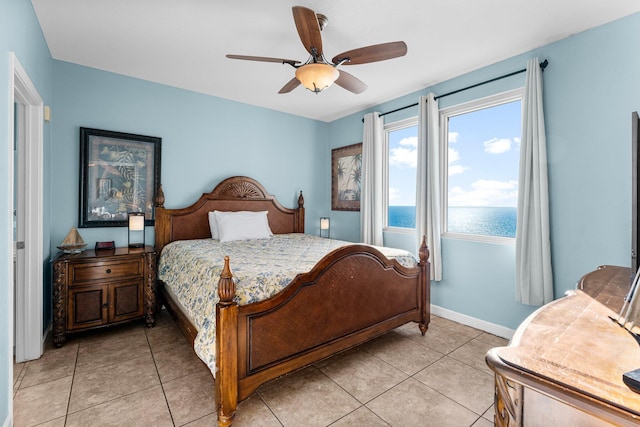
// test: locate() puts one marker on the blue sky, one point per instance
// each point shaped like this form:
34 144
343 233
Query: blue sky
483 156
403 144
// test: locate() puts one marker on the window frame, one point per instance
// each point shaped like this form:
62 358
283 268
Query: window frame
390 127
456 110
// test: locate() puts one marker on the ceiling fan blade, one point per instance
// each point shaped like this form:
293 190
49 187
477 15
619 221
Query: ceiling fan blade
264 59
308 29
291 85
374 53
350 82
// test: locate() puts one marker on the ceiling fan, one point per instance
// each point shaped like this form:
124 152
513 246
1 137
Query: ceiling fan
317 74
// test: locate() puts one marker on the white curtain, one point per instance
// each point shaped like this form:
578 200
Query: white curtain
428 180
371 201
534 278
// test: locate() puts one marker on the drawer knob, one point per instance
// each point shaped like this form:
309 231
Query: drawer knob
105 305
108 271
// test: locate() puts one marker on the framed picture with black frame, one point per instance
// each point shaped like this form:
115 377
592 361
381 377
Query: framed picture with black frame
119 173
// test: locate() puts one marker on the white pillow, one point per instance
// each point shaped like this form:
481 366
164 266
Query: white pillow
242 225
213 223
213 226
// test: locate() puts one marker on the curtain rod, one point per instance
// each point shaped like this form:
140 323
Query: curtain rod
543 65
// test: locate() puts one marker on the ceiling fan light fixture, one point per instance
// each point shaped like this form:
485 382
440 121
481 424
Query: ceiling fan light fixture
317 76
318 73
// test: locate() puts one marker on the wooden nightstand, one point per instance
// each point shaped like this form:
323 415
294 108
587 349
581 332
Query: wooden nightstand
95 289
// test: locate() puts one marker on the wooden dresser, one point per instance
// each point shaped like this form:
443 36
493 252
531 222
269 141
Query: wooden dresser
94 289
565 362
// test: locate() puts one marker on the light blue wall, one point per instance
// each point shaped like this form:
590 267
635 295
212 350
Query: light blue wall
204 139
590 87
21 34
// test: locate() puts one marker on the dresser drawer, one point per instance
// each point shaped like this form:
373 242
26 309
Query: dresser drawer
88 272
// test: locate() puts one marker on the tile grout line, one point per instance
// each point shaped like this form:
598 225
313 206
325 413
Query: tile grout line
268 407
73 379
460 361
358 408
155 365
107 340
18 382
115 397
346 391
412 376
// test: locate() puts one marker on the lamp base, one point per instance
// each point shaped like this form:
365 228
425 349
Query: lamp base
136 245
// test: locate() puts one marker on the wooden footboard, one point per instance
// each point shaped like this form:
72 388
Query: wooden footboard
351 296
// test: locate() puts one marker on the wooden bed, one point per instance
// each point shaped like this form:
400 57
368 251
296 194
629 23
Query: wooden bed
351 296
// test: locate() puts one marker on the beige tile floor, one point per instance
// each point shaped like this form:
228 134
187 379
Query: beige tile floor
135 376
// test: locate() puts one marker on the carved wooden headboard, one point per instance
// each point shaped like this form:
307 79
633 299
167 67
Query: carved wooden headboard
238 193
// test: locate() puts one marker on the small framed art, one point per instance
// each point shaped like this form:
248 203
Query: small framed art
346 177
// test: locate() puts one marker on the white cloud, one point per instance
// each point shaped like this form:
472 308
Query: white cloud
411 141
485 193
394 194
453 137
456 169
497 146
484 184
453 155
455 191
403 156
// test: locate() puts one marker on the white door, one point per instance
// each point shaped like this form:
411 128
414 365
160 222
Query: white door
27 173
18 221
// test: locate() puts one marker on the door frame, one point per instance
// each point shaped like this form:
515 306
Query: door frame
28 301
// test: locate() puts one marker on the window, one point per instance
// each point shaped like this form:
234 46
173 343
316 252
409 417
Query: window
401 145
482 158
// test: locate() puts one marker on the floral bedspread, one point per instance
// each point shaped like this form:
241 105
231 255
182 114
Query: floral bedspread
191 268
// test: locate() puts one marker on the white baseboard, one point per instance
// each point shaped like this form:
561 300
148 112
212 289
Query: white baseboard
483 325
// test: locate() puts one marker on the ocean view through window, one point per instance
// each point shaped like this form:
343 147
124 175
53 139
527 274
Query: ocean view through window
401 140
481 142
402 216
488 221
485 221
483 156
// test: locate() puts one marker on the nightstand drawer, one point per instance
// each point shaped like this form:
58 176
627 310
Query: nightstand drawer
105 270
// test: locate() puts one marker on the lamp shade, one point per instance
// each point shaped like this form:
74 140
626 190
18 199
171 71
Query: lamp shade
324 227
317 76
136 229
136 222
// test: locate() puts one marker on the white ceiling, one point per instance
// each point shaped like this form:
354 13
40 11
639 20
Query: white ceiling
183 43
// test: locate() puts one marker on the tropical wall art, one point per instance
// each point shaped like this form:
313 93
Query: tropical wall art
119 173
346 177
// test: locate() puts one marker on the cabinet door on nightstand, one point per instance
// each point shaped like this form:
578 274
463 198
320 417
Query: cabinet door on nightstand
87 307
127 300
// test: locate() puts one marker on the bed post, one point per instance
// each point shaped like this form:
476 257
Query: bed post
161 225
226 381
425 284
299 226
